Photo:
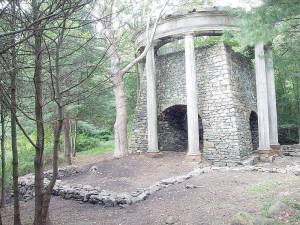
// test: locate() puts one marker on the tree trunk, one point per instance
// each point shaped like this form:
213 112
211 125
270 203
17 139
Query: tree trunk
74 136
0 217
57 134
299 130
40 137
121 143
120 126
3 153
14 146
67 139
296 90
117 73
54 126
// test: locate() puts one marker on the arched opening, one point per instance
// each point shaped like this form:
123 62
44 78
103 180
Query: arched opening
254 130
172 128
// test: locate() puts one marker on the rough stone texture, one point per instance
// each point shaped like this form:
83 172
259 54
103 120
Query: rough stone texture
139 139
26 183
244 96
226 98
291 150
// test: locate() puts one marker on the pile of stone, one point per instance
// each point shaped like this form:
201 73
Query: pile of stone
95 195
291 150
26 183
289 169
63 172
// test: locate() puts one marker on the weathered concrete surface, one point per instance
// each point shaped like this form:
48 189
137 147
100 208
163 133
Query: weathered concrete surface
151 101
272 108
202 22
262 99
191 95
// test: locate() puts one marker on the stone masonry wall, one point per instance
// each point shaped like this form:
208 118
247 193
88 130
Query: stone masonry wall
221 142
139 139
243 85
226 90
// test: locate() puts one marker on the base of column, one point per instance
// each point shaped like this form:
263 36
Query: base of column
156 154
275 146
276 149
267 155
194 157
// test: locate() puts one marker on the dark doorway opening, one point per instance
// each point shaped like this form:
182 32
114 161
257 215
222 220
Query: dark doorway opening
172 128
254 130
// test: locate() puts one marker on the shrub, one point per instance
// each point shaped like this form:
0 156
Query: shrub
85 142
89 136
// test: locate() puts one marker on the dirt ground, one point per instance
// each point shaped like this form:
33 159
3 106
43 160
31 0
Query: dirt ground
218 196
132 172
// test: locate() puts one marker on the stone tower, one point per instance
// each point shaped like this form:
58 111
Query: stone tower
207 101
226 98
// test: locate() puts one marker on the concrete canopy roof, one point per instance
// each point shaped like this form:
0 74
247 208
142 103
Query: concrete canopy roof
206 22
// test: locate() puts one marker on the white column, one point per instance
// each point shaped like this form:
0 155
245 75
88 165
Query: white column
151 102
262 98
191 95
271 97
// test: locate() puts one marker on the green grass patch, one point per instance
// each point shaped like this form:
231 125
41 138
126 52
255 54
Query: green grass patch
292 219
263 187
293 203
103 147
26 152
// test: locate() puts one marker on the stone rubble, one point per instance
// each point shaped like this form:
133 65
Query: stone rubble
251 160
95 195
26 183
291 150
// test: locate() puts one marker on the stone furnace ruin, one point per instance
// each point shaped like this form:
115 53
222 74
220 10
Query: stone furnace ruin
208 101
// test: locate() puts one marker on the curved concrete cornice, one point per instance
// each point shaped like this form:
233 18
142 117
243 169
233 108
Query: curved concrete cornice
210 22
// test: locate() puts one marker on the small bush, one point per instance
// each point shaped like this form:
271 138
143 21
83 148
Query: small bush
89 136
85 142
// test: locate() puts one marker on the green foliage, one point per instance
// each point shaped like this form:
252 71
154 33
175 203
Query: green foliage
90 136
85 142
287 133
90 141
102 147
227 39
274 18
88 129
294 203
277 21
27 153
275 208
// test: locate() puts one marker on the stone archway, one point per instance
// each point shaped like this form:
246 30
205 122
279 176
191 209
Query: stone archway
172 129
253 121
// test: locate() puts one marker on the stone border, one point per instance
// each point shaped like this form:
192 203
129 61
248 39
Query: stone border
94 195
26 183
